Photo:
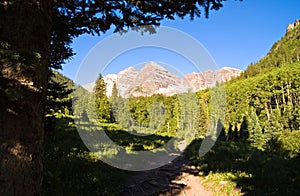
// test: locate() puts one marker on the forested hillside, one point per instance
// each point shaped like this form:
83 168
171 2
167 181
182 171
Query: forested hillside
267 103
283 52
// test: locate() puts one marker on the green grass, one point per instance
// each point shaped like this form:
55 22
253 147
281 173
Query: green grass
223 183
71 169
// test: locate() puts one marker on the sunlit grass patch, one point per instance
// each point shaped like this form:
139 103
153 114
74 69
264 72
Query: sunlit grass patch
223 183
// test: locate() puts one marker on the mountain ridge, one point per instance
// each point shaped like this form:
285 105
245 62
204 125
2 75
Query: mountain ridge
153 78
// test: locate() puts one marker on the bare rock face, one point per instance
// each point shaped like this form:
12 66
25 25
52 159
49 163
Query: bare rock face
155 79
200 81
227 73
125 79
290 27
209 78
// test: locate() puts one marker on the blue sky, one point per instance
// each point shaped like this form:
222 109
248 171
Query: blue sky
236 35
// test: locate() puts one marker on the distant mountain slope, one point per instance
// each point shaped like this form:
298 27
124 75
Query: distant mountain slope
209 78
124 80
155 79
285 51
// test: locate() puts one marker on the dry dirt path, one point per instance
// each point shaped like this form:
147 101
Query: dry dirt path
175 178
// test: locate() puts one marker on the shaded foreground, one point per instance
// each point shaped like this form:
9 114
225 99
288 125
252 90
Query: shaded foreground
230 168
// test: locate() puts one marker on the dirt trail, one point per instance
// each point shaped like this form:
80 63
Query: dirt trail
175 178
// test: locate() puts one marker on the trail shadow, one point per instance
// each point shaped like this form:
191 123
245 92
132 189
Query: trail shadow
153 182
71 169
164 180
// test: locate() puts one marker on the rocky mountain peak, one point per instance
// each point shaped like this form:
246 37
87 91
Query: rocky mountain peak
292 26
128 70
153 78
209 78
153 66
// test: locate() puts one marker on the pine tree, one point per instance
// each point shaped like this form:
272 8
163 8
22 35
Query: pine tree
221 130
115 102
204 98
59 101
123 113
244 134
100 87
102 104
257 138
114 92
157 116
58 97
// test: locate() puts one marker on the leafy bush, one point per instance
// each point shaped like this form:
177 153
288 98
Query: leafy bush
290 143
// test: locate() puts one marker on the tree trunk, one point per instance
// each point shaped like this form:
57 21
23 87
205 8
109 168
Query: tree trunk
24 56
267 110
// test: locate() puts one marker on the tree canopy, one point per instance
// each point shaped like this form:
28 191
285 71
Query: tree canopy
71 18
